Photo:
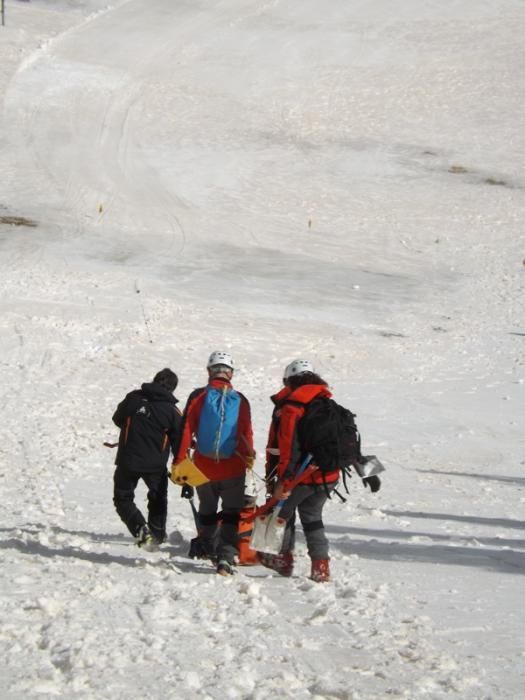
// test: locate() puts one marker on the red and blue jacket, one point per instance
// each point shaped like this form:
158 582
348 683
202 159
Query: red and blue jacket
229 467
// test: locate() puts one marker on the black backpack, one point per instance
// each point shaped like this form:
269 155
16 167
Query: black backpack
328 432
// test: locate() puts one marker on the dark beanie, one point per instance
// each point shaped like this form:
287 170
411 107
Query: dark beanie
167 379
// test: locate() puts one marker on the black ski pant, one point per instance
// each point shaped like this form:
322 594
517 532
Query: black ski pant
224 539
125 483
308 500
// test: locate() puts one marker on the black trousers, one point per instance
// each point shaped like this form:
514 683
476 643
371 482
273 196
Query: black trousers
225 538
125 482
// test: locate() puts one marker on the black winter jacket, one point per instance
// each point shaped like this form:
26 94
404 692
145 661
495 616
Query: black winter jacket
150 423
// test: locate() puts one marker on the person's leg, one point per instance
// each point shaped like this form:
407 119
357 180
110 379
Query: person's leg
232 497
208 501
284 561
288 544
298 495
124 485
157 484
311 516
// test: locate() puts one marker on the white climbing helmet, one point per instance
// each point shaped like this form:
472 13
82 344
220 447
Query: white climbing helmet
218 357
298 367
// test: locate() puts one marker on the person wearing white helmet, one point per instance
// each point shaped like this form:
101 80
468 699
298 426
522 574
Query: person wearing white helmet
217 431
302 385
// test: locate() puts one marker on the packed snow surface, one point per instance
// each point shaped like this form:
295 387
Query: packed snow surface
338 181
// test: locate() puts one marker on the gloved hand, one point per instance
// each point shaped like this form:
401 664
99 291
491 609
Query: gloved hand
282 490
374 482
270 487
250 461
187 491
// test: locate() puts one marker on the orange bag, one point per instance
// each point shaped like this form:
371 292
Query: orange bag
247 555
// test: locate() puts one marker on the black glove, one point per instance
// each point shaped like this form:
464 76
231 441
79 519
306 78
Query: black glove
187 491
270 487
373 481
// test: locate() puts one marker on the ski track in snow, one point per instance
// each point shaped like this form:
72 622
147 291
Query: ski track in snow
276 181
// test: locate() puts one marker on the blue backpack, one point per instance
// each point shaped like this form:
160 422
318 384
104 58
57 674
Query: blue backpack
217 431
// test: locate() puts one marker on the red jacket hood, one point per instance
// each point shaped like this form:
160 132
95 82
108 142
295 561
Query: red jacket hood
309 392
303 394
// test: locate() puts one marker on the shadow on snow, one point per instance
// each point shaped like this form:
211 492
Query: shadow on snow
28 545
477 520
492 553
520 481
499 557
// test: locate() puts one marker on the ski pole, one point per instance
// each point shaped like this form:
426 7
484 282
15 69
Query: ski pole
195 514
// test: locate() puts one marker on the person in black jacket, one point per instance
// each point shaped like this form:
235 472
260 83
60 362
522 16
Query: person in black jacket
150 424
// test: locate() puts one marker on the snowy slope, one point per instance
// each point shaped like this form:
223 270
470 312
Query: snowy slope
340 182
